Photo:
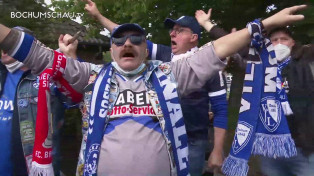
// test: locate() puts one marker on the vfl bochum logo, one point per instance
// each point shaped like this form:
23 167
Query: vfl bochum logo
92 158
270 113
242 136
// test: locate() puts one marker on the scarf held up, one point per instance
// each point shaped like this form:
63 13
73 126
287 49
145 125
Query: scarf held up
42 151
262 127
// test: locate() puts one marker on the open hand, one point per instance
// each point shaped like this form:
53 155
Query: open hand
284 17
91 8
203 17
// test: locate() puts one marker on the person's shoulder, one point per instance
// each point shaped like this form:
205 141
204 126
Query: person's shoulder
304 53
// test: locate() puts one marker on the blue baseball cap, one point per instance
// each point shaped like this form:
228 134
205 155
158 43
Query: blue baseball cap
185 21
127 27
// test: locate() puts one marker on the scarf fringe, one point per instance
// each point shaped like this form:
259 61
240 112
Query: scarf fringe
41 169
274 146
286 108
235 166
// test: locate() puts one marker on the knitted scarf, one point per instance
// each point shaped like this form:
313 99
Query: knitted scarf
167 100
262 127
42 156
280 85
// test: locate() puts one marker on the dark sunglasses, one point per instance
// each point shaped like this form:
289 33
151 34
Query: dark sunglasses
135 39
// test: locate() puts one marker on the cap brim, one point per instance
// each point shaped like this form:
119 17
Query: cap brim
169 23
128 27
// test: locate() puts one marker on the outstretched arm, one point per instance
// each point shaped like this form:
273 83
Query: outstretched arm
231 43
93 11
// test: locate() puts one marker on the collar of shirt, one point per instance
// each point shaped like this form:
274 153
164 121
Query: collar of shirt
184 55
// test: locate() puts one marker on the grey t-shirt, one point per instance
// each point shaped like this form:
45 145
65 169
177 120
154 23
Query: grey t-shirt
133 143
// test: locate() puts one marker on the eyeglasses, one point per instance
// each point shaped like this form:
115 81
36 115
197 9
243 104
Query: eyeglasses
135 39
179 30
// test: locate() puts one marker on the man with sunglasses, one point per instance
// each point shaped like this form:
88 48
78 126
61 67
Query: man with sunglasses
185 34
136 125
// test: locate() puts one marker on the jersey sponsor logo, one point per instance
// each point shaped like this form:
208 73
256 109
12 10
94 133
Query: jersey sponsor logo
131 103
270 113
242 136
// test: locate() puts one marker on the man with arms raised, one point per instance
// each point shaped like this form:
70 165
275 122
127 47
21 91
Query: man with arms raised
185 34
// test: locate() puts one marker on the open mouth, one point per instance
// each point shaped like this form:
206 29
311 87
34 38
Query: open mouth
173 43
128 55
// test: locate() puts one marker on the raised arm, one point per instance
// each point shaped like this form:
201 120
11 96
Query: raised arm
36 56
93 11
204 19
231 43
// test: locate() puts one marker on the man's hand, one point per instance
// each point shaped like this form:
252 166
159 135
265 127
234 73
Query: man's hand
284 17
215 160
204 19
67 48
92 9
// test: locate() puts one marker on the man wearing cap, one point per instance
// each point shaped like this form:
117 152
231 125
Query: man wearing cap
136 125
185 33
19 89
297 68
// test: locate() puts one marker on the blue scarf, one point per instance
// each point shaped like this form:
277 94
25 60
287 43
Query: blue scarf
281 88
168 102
262 127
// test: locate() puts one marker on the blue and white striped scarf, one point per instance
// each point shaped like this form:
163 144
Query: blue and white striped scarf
171 110
262 127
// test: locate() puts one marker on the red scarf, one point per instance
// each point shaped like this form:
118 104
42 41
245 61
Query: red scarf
42 151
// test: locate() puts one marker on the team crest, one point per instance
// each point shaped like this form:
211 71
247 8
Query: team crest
165 68
270 113
36 84
242 136
92 158
23 103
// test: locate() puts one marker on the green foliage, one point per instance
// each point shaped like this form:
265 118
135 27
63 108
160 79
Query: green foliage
150 14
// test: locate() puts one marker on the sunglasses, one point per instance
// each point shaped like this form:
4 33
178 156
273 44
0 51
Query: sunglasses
135 39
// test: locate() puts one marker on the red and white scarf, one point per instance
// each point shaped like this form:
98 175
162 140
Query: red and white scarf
42 151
